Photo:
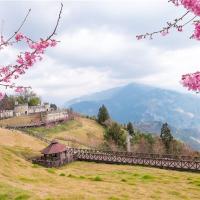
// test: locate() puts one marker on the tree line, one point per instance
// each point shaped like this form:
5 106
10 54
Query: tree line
26 97
115 137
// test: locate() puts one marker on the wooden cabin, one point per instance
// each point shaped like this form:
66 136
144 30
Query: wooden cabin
54 155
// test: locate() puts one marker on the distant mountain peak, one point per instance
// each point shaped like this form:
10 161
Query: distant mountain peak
142 103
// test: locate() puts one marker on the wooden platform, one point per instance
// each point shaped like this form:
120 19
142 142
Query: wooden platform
52 163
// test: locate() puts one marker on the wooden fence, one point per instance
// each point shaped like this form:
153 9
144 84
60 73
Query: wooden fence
167 161
186 163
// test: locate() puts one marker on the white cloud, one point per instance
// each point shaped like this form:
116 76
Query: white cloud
195 139
92 43
61 82
98 49
181 111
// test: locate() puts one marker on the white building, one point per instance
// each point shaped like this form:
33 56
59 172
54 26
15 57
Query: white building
20 110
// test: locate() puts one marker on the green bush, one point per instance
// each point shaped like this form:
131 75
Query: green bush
97 178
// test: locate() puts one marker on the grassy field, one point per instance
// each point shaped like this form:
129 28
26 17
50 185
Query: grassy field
21 180
81 132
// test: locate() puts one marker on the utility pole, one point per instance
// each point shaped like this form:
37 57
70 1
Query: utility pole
128 142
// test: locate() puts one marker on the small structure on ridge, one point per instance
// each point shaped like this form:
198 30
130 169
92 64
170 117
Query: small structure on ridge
54 155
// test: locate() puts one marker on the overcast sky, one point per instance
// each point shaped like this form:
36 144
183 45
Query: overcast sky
98 49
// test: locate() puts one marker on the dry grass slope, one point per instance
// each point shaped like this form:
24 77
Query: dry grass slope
21 120
21 180
82 132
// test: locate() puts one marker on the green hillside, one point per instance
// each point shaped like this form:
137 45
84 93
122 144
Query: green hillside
21 180
81 132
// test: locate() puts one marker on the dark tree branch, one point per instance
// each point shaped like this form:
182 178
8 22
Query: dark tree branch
58 20
14 86
170 25
192 19
17 31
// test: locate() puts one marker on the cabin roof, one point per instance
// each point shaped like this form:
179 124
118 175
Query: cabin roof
54 147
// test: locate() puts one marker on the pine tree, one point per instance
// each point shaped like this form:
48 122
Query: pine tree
116 134
130 128
103 114
166 136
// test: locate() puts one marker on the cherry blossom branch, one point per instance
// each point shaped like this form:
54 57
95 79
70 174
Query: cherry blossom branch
16 87
26 59
165 30
3 43
57 23
191 20
191 80
28 39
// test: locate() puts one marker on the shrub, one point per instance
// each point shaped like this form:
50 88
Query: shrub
51 170
71 176
97 178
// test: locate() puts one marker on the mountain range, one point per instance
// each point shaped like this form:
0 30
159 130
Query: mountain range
147 107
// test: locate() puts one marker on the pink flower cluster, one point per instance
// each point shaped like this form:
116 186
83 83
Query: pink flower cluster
191 5
19 89
24 61
1 95
196 34
191 81
27 59
19 37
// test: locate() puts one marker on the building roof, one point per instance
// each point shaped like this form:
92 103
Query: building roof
54 147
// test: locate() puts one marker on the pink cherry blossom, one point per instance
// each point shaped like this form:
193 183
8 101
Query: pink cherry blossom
139 37
180 28
19 89
196 34
1 95
53 43
191 5
164 32
19 37
191 81
24 60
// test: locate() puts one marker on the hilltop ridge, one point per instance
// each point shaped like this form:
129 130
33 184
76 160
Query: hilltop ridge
142 104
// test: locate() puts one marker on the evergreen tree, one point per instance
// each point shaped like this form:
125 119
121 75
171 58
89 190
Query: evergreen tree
130 128
103 114
166 136
53 106
34 101
116 133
